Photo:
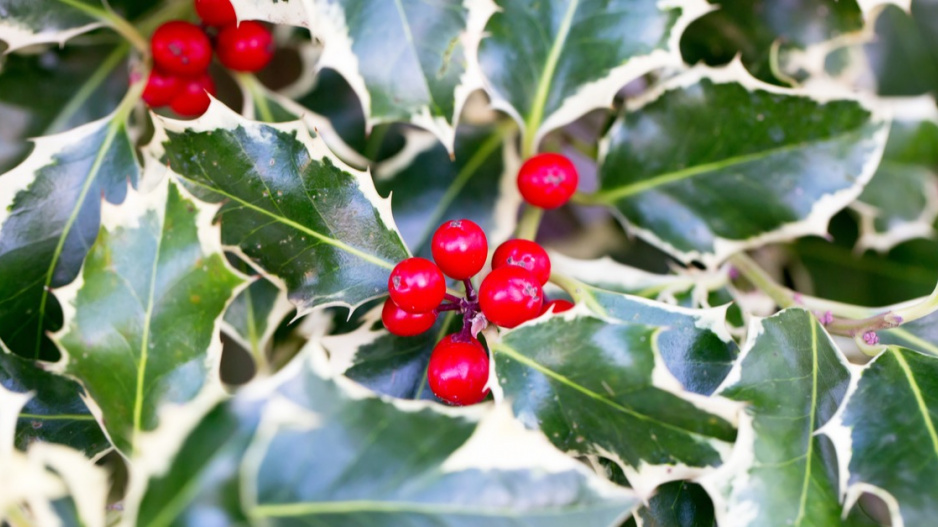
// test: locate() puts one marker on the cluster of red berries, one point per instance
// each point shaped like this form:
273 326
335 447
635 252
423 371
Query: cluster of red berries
509 295
182 53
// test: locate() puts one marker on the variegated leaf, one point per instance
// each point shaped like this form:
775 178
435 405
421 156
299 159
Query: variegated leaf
31 22
885 435
321 450
765 164
50 208
289 205
598 386
254 315
141 326
418 67
792 378
548 63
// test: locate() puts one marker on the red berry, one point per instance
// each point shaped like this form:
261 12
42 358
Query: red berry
560 305
216 12
523 253
547 180
181 48
247 46
459 248
161 88
417 285
510 295
404 324
459 370
194 99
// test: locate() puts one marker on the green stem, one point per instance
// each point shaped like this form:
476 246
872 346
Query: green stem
170 11
578 292
87 89
255 91
530 222
114 21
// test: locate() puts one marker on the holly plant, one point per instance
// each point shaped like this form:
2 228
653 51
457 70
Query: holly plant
468 262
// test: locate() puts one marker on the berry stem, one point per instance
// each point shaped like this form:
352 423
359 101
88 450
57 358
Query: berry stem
470 291
448 307
530 222
453 298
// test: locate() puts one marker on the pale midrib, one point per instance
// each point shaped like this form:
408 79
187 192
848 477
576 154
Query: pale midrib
611 196
802 506
362 506
543 85
514 354
290 223
917 393
112 130
145 343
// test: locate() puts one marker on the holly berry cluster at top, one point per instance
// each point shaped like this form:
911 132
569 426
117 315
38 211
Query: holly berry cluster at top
509 295
182 53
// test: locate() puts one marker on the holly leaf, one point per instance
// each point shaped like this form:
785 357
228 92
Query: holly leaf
253 316
886 438
678 504
792 378
385 363
693 343
24 24
50 208
900 203
288 205
902 55
548 63
597 386
782 164
430 188
418 68
141 326
55 413
52 484
56 90
368 460
750 30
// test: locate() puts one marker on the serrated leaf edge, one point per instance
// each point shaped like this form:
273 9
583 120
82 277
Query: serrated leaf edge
17 37
816 223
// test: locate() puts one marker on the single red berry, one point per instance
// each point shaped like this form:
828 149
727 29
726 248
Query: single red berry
216 12
510 295
404 324
459 370
161 88
523 253
194 99
560 305
547 180
459 248
181 48
247 46
417 285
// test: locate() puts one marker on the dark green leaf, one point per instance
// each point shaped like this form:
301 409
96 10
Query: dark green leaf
50 207
57 90
749 29
549 63
142 329
694 343
902 198
889 434
27 22
254 315
56 413
904 53
678 504
289 205
480 185
318 451
594 386
714 162
385 363
792 379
